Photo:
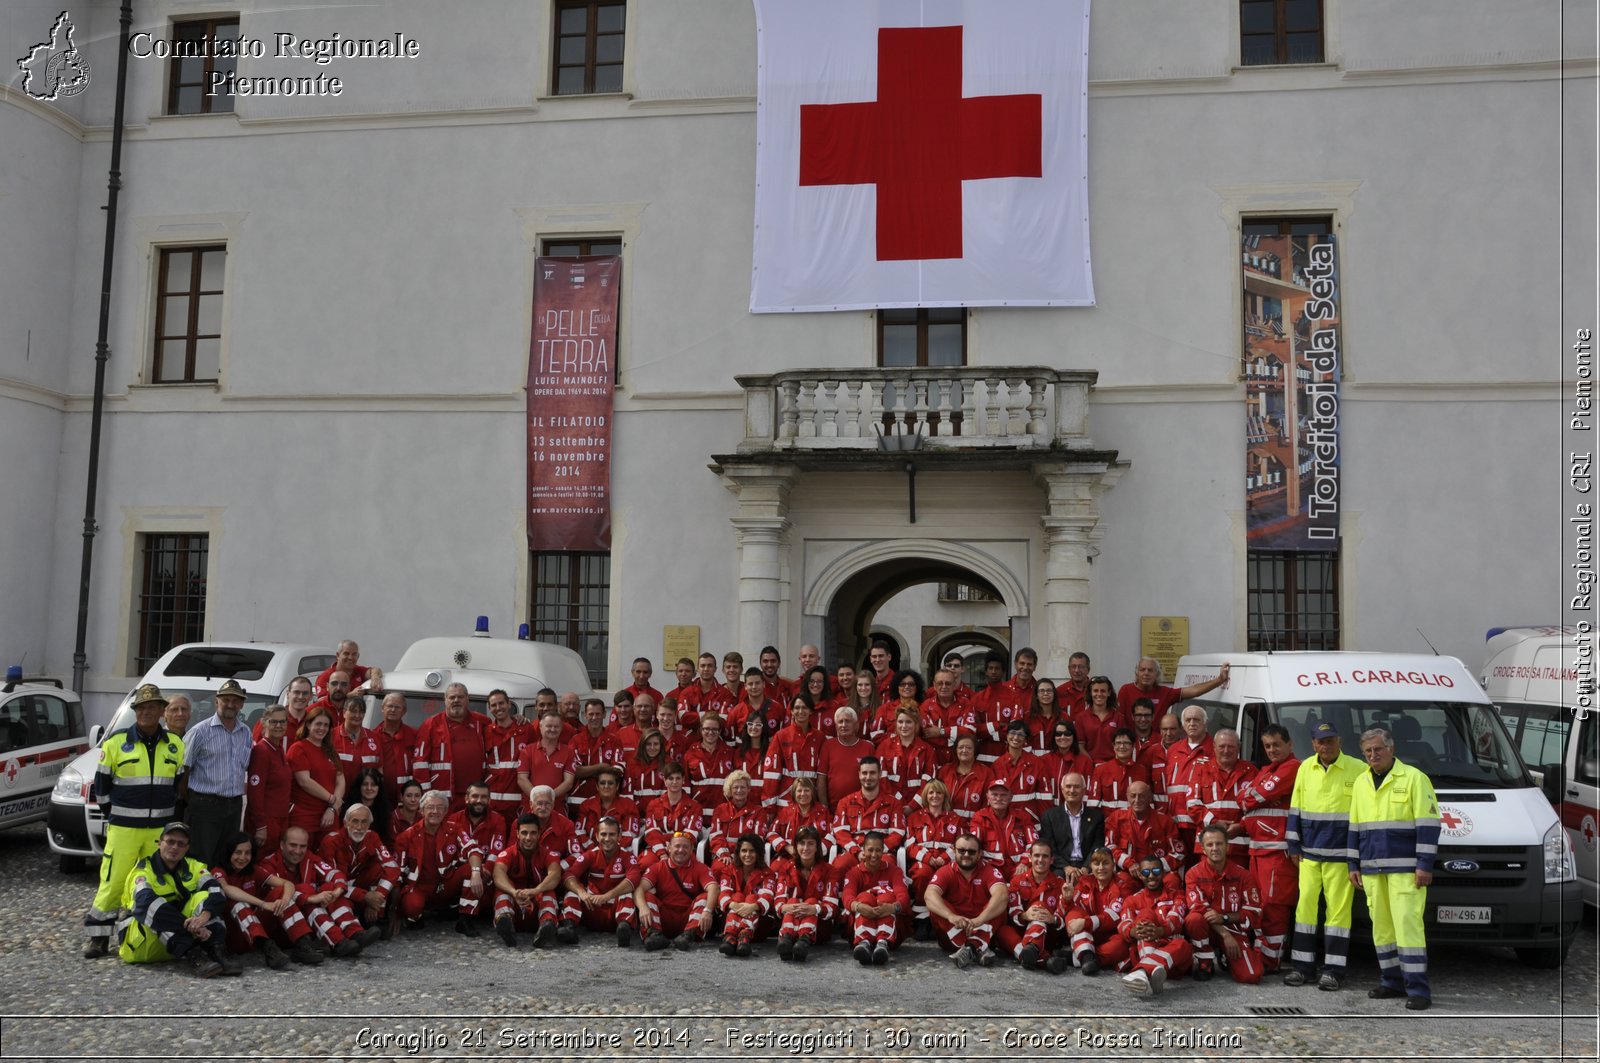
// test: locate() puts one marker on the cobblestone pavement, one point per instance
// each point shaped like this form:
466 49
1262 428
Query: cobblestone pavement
434 994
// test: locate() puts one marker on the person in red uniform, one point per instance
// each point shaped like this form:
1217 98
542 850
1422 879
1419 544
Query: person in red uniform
1109 783
1224 909
408 812
1214 790
1139 831
881 663
644 777
839 761
641 671
997 704
1044 716
609 804
1147 684
758 702
347 659
1192 749
795 753
931 831
744 895
624 721
708 761
525 876
704 693
1265 804
1097 722
676 897
1025 775
319 890
1005 830
816 684
966 901
1073 691
600 885
870 808
504 738
967 778
593 750
399 745
908 694
476 820
875 898
357 747
780 689
804 810
248 892
369 868
950 704
1036 914
297 697
450 750
1066 758
269 786
440 869
674 812
1152 925
805 896
1146 739
907 760
547 762
683 675
676 740
739 815
317 793
1093 914
557 833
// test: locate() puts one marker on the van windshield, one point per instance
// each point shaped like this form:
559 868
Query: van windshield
1454 743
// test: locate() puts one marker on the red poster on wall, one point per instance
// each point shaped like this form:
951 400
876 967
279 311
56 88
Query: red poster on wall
571 362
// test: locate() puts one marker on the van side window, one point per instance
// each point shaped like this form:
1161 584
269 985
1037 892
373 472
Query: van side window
55 720
1544 735
1588 751
13 728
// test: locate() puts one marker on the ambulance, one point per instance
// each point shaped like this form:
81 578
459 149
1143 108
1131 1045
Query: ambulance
41 730
1505 873
1542 680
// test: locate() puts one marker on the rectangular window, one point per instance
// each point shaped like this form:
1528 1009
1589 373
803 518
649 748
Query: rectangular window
951 592
172 593
196 75
189 314
1294 600
1275 32
588 56
928 337
580 247
572 606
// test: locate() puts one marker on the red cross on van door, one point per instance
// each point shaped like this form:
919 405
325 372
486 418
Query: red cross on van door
919 141
1449 821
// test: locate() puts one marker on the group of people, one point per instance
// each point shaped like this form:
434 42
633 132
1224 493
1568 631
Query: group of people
1066 825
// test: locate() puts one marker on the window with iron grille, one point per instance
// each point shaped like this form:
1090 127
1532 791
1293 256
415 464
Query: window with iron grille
588 57
1294 600
1275 32
172 593
572 606
195 74
188 342
954 591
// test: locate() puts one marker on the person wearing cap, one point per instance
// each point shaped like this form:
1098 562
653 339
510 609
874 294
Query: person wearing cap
1006 831
216 755
177 907
1317 840
136 785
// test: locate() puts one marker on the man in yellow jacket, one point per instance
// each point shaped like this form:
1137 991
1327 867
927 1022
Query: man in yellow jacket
1318 841
1394 839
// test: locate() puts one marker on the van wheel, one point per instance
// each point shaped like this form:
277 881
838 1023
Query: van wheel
1544 958
71 865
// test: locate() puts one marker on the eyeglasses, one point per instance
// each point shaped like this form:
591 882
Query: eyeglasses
968 852
1148 871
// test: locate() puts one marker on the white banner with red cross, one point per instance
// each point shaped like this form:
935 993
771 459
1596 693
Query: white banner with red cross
921 153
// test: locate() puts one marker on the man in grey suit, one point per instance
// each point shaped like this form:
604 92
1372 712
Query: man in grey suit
1073 829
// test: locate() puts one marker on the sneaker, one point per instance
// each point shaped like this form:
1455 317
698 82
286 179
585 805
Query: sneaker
624 937
1384 992
466 927
1057 964
351 947
1029 956
880 956
655 942
567 934
96 947
1330 982
964 957
785 948
202 962
1204 970
304 951
1296 977
506 927
545 937
1418 1003
1137 983
863 954
1158 980
1090 965
276 958
369 935
802 949
683 942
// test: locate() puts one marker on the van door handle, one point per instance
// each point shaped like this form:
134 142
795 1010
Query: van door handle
1572 793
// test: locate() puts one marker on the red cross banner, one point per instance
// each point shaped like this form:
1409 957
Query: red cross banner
918 153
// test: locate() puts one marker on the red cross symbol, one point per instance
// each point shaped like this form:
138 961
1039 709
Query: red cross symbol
919 141
1449 820
1588 830
12 771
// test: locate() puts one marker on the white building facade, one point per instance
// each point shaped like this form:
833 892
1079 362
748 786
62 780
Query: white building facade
338 419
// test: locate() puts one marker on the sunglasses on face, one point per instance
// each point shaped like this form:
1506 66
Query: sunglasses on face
967 852
1148 871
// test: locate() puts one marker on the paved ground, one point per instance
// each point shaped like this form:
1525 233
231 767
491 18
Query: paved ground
433 994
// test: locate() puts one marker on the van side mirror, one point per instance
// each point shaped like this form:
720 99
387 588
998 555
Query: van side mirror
1553 785
94 735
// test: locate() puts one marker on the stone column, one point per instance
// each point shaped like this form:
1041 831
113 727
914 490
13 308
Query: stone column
1070 520
762 529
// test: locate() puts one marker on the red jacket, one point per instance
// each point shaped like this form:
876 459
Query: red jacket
1005 841
927 834
357 754
887 881
1165 909
1233 892
708 771
449 848
819 887
1214 798
489 833
855 816
737 885
727 823
369 867
789 821
599 875
906 769
793 754
314 875
502 750
1100 905
432 765
1028 780
398 751
526 870
998 704
269 785
624 810
969 793
1108 786
1131 839
662 819
1265 803
1028 892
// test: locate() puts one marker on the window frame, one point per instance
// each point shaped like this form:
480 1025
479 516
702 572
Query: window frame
1280 35
191 336
186 622
591 36
922 318
1293 612
580 622
209 104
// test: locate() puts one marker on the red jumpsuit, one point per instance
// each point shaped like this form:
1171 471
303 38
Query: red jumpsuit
624 810
855 816
1233 892
268 790
1005 840
1100 907
1108 786
1131 839
334 921
1265 803
1027 891
906 769
600 875
368 867
1181 761
876 887
707 770
249 925
1166 909
1214 798
728 822
930 845
356 754
819 886
793 754
435 762
662 819
958 718
644 780
1041 732
1029 782
678 900
790 819
969 792
502 750
966 895
739 885
489 834
435 871
998 704
526 870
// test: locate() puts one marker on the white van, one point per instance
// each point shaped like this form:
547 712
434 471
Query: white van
41 730
1532 675
1505 872
480 663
